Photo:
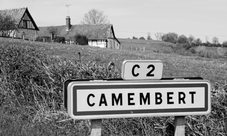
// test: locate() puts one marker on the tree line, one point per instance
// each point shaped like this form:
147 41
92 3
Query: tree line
182 39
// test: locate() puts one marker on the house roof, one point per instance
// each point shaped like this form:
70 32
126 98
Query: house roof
17 15
100 31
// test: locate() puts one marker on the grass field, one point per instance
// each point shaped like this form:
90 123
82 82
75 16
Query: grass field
32 75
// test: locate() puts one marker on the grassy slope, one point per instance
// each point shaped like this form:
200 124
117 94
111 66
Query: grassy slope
45 122
214 70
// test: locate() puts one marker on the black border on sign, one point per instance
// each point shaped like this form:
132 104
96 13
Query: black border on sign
117 112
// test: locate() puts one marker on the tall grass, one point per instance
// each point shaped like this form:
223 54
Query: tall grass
31 79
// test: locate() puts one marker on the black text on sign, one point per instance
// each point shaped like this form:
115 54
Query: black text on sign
142 69
135 99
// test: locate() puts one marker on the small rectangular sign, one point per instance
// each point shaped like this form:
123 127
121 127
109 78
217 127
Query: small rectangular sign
142 69
121 99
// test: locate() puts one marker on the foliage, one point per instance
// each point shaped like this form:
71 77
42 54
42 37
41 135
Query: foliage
170 37
142 38
95 16
149 36
43 39
224 44
215 40
198 41
182 39
81 39
53 31
134 37
59 39
191 39
7 25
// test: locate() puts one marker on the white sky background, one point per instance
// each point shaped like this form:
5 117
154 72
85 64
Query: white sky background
199 18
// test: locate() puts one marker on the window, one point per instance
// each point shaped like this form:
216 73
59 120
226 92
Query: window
25 24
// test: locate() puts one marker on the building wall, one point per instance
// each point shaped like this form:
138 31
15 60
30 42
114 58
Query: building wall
97 43
25 33
113 44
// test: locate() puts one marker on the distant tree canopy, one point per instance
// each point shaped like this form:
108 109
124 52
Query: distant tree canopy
7 25
142 38
95 16
149 36
170 37
182 39
198 41
191 39
53 31
215 40
224 44
81 39
134 37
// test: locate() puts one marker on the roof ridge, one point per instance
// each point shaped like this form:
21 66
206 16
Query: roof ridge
13 9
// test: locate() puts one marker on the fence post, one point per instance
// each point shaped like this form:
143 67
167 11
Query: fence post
96 127
179 126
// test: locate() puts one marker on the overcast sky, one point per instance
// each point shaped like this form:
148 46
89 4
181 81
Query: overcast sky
200 18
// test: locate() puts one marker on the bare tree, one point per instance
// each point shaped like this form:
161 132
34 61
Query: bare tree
53 31
95 16
7 25
159 36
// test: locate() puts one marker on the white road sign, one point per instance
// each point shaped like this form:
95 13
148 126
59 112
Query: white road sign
117 99
142 69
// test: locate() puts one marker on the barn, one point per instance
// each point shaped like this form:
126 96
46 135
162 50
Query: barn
100 35
25 24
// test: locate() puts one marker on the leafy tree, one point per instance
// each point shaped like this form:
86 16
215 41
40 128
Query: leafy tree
191 39
142 38
95 16
81 39
170 37
182 39
59 39
198 41
215 40
134 37
149 36
224 44
7 25
53 31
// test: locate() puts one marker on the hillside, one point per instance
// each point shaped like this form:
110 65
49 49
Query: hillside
32 75
147 45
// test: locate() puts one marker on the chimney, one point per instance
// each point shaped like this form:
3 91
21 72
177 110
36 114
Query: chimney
68 23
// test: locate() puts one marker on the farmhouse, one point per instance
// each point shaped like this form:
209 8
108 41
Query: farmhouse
25 24
100 35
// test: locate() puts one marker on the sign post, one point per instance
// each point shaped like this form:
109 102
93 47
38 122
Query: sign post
179 122
137 96
96 127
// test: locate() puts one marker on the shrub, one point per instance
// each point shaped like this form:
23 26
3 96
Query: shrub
170 37
59 39
43 39
81 39
182 39
142 38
